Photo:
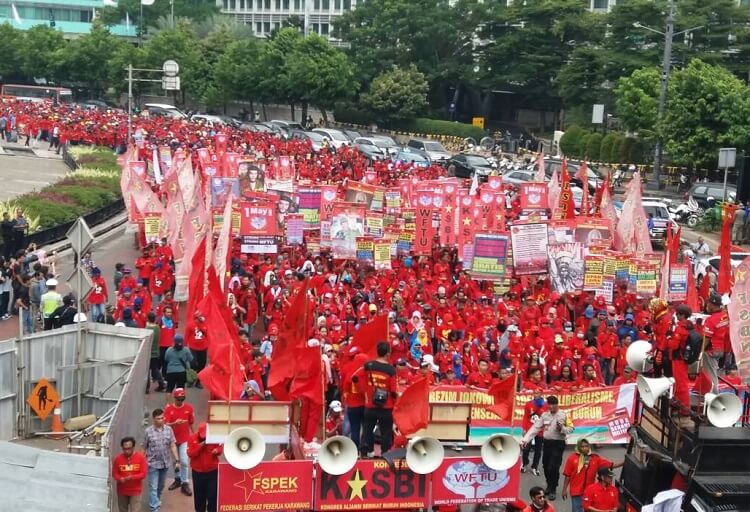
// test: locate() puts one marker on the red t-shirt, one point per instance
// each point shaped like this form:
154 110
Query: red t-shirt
202 458
98 293
580 480
479 380
600 497
136 467
173 413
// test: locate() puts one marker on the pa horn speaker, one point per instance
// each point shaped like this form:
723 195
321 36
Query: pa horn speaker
723 410
424 455
337 455
639 356
500 452
651 389
244 448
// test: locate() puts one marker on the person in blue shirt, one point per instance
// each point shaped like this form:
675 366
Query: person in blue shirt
650 223
627 328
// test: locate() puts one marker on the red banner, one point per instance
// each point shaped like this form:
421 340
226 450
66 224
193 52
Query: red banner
534 196
268 486
467 481
448 215
258 218
425 230
601 415
371 485
739 319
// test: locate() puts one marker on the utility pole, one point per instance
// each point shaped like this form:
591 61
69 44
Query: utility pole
130 102
666 67
169 82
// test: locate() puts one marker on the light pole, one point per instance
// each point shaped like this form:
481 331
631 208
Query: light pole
666 67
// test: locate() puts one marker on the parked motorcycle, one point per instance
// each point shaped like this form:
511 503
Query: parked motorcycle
687 213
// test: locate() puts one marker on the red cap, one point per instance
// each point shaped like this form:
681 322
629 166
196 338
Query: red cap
178 393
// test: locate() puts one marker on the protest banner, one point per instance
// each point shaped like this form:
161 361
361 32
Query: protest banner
647 281
268 486
382 258
529 248
425 230
533 196
598 414
371 485
468 481
566 267
151 226
218 219
374 225
365 248
295 229
309 206
678 282
739 319
593 276
590 231
280 174
347 224
258 227
489 254
392 200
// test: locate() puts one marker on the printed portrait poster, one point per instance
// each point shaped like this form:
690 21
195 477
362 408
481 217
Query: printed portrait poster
280 174
347 223
529 248
566 267
251 176
221 188
286 485
593 233
230 165
285 204
371 485
468 481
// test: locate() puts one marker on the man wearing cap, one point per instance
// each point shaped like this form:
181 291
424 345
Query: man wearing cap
98 296
204 462
380 395
538 501
602 496
49 302
716 330
177 360
580 471
180 417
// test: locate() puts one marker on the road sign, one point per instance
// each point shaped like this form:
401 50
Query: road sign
478 121
170 83
170 68
597 114
43 399
727 157
80 236
86 283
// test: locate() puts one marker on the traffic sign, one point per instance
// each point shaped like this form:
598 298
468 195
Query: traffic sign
43 399
80 236
86 283
170 68
170 83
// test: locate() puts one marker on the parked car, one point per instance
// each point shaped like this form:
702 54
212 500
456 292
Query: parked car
662 219
336 137
414 157
287 125
370 148
257 127
702 264
352 134
164 110
519 176
434 149
465 166
387 144
700 192
316 140
208 119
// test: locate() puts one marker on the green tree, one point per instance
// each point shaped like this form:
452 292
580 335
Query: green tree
593 143
41 53
191 9
238 72
276 78
180 45
12 61
398 94
572 141
637 101
608 143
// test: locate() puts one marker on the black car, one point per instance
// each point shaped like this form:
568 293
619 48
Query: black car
464 166
700 192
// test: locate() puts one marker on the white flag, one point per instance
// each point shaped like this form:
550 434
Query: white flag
147 2
16 17
127 20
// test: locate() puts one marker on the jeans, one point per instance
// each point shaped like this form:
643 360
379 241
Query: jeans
28 321
536 444
604 363
97 312
156 479
355 415
383 418
182 474
551 460
204 490
576 503
4 300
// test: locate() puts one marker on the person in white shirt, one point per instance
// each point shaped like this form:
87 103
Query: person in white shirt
701 248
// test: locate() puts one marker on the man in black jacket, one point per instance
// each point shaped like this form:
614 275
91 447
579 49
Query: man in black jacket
380 395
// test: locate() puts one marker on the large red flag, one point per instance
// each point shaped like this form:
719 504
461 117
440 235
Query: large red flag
566 209
724 283
705 290
674 251
411 412
503 394
369 334
583 175
195 290
692 291
308 375
739 323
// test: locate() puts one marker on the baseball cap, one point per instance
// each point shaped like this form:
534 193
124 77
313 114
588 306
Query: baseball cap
335 406
178 393
602 472
373 307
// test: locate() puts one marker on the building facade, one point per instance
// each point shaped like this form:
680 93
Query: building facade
265 16
72 17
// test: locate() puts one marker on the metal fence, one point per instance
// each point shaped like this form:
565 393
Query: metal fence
8 389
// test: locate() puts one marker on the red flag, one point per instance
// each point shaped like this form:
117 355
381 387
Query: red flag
411 412
308 375
292 339
566 209
692 291
705 289
503 394
195 290
583 175
724 283
675 249
369 334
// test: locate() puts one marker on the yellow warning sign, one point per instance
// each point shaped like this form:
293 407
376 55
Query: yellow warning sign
478 121
43 399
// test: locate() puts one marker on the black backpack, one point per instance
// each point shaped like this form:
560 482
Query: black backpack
693 347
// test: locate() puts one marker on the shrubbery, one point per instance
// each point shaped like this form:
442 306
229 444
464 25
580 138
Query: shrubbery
612 148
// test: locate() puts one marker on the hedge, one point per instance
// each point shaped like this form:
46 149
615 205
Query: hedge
95 184
579 143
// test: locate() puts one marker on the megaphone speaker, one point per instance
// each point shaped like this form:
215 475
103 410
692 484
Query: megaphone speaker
500 452
723 410
638 356
337 455
424 455
244 448
651 389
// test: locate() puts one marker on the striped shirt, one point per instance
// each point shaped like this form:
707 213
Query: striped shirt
158 443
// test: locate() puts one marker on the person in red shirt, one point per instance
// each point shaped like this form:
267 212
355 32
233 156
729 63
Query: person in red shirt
166 335
197 342
580 471
380 395
98 296
531 412
129 470
334 419
538 501
628 376
676 346
204 461
482 378
602 496
180 416
352 395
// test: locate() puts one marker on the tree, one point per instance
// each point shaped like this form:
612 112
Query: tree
191 9
572 141
637 101
177 44
276 78
12 61
238 72
398 94
593 143
41 53
606 150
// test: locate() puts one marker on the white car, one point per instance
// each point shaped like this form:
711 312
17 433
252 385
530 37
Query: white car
433 148
165 110
208 119
702 264
336 137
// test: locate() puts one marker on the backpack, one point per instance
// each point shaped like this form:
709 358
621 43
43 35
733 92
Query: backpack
693 347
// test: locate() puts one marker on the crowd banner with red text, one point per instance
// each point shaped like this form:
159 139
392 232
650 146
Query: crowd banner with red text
283 485
529 248
534 196
258 227
678 282
468 481
490 256
601 414
739 319
425 230
371 485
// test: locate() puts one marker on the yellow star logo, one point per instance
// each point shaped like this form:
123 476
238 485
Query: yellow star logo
357 485
467 222
741 274
247 484
448 209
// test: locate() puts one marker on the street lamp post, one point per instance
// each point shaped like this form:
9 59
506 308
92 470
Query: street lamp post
666 68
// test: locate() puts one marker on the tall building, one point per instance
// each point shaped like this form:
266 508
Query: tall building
73 17
264 16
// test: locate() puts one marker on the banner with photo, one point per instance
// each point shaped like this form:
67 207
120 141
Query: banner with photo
252 178
566 267
591 232
347 223
488 259
280 174
309 200
529 248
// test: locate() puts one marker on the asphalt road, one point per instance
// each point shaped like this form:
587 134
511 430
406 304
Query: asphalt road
23 170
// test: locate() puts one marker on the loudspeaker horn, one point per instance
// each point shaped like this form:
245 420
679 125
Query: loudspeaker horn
639 357
424 455
500 452
244 448
723 410
337 455
651 389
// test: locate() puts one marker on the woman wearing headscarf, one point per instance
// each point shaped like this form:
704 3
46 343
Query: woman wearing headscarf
580 472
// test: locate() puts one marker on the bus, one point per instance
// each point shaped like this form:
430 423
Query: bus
37 93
